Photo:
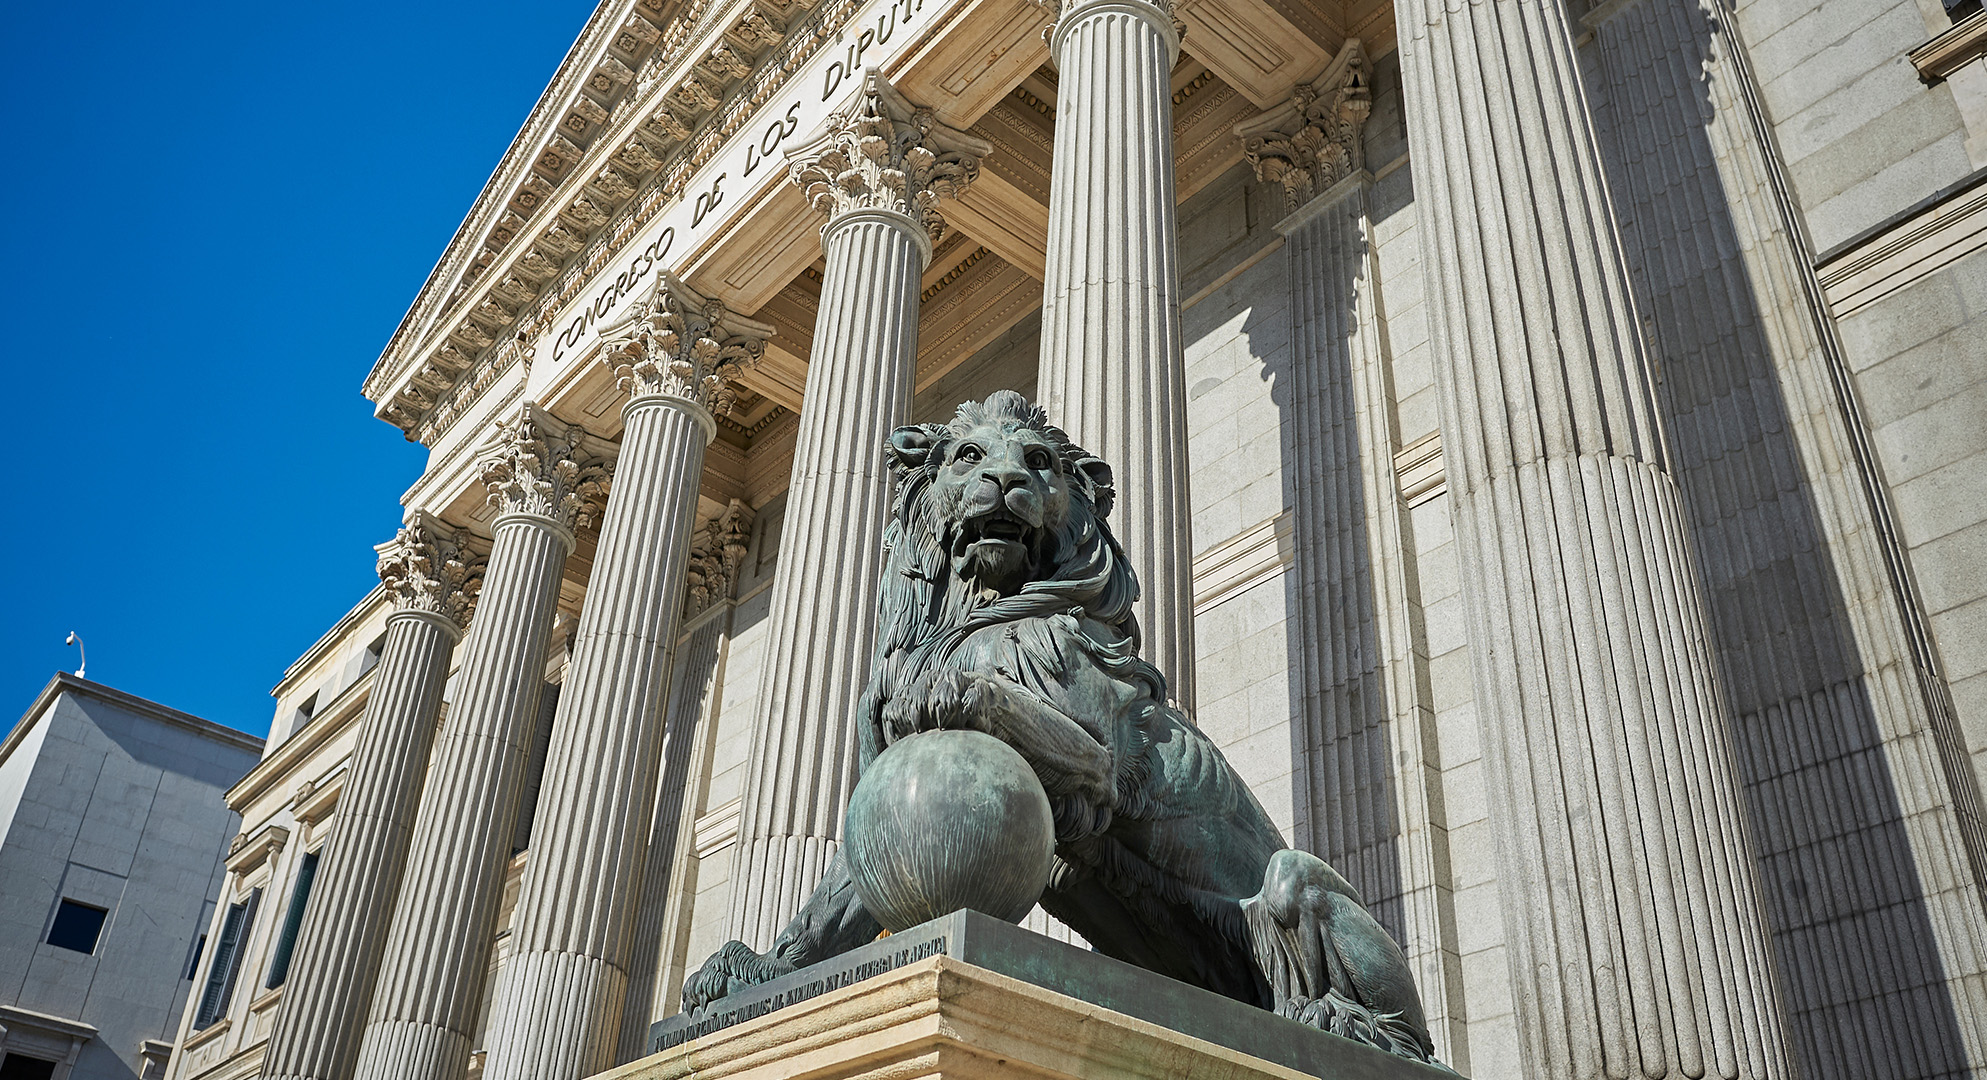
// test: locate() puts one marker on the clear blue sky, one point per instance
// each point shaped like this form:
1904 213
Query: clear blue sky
218 213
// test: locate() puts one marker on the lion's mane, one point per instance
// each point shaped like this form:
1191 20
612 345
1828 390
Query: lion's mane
926 611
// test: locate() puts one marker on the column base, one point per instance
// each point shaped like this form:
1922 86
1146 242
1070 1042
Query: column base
971 996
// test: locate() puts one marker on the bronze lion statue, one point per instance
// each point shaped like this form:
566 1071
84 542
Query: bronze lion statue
1006 608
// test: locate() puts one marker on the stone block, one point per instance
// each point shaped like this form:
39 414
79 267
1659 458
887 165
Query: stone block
970 996
1899 184
1921 376
1962 634
1937 435
1918 313
1944 501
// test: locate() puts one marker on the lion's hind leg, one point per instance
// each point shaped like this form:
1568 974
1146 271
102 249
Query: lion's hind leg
1327 962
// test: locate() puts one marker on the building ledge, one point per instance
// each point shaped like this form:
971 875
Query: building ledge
1952 50
207 1034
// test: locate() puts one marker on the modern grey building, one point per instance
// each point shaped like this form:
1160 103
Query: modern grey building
113 834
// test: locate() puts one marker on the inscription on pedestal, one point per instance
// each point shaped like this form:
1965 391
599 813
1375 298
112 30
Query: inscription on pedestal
882 955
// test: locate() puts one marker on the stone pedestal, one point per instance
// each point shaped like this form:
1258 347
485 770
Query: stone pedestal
970 996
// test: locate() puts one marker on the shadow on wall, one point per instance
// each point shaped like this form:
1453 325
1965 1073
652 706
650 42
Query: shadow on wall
1861 980
1341 751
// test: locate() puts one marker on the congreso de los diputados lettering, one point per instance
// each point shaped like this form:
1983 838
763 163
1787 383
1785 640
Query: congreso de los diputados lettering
1505 478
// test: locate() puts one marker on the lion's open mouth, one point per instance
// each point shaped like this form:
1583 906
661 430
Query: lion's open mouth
996 524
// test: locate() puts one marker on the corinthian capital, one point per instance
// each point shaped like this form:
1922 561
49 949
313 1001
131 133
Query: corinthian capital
539 467
428 567
880 152
676 342
1313 141
717 549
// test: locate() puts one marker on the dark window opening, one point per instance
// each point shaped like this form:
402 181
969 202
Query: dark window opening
221 972
16 1067
77 926
193 965
293 921
1961 10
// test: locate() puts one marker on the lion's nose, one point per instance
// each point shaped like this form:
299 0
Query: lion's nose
1007 477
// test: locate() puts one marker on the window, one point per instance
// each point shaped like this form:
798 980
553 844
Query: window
1960 10
293 920
77 926
227 960
193 965
306 710
16 1067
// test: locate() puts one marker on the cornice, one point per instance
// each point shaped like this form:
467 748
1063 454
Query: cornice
152 710
561 90
556 210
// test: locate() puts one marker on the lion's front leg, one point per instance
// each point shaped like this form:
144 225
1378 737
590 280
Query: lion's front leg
1076 770
1328 963
831 923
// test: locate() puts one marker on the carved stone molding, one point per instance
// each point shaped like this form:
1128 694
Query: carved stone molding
717 550
539 467
880 152
1313 141
1164 15
673 341
429 567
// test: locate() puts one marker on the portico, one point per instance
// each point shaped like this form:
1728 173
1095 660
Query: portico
1414 550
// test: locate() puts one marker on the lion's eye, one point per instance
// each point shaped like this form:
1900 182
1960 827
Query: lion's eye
1039 461
970 454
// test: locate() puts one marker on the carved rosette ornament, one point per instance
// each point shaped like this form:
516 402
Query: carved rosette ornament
675 342
1313 142
539 467
880 152
717 551
429 567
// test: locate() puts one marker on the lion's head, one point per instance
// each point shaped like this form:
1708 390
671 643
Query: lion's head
999 517
996 488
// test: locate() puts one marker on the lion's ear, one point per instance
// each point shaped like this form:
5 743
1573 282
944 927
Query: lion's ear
910 447
1098 478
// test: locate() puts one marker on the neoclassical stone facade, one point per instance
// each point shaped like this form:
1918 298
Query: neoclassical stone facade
1549 436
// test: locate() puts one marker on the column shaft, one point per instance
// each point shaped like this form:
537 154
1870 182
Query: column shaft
430 988
1112 366
1820 641
860 375
1367 807
338 949
560 1005
1631 912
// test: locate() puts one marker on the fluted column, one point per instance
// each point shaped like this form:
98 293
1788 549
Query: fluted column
878 172
430 988
1636 939
1364 801
433 580
559 1009
1112 365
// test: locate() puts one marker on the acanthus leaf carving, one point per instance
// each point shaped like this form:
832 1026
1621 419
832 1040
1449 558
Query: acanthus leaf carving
428 566
1315 141
539 466
882 153
717 550
674 341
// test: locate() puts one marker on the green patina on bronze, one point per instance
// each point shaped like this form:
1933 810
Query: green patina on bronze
1007 609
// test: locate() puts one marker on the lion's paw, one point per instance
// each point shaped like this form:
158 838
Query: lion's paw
729 970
